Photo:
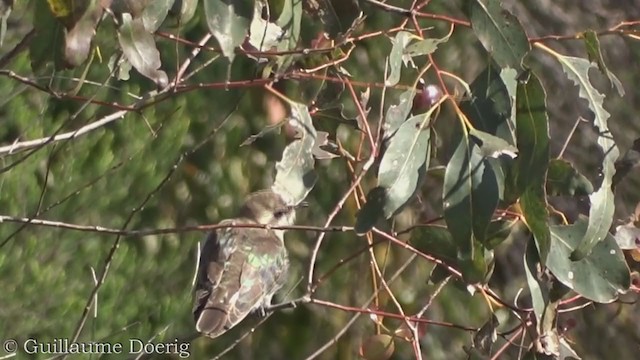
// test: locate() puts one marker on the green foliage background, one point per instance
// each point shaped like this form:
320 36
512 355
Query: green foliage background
185 154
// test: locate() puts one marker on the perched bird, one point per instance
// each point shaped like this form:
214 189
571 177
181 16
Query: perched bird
241 268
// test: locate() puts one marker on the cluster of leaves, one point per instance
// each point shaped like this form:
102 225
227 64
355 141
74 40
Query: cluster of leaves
495 184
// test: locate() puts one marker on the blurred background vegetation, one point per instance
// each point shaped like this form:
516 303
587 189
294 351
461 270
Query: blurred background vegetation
182 162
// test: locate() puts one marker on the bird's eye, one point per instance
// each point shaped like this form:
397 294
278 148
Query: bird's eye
279 213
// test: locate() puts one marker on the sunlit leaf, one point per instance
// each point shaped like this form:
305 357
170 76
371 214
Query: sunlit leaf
139 48
592 44
399 42
425 46
295 174
397 114
600 276
602 201
228 22
155 13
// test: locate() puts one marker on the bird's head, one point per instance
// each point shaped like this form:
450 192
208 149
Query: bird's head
267 207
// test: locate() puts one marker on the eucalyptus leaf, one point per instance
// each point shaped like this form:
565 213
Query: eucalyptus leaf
600 276
228 22
139 47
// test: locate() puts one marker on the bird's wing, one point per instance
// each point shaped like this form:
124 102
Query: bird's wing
261 274
210 305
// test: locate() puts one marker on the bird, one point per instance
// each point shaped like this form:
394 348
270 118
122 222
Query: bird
241 268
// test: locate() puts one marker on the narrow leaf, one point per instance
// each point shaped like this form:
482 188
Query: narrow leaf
592 44
532 134
602 201
396 56
499 32
470 196
397 114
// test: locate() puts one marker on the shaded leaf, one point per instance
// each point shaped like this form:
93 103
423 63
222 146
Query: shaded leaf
594 52
600 276
155 13
139 48
564 179
295 175
371 211
532 132
499 32
182 11
289 20
490 106
228 22
377 347
486 336
322 143
81 25
470 196
602 201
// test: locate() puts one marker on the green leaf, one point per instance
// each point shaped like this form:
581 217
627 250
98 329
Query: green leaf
600 276
532 134
492 146
139 47
425 46
602 201
564 179
295 175
397 114
371 211
470 196
490 106
228 22
592 44
538 290
400 41
263 35
155 13
405 162
499 32
290 20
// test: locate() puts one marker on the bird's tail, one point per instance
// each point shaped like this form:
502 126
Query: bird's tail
211 317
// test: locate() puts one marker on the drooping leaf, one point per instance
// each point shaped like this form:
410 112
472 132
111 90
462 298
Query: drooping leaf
399 42
295 174
228 22
532 132
397 114
594 52
155 13
602 201
499 32
139 47
5 11
263 34
470 196
600 276
564 179
80 20
322 145
405 162
182 11
538 289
